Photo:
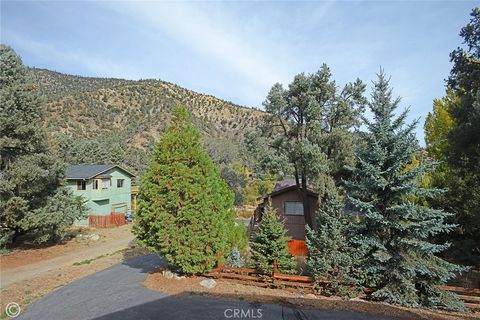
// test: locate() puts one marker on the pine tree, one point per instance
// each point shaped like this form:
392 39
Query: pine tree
32 199
307 130
270 242
185 209
395 232
329 254
461 146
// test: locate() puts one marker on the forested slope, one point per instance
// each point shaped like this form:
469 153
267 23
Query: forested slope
116 120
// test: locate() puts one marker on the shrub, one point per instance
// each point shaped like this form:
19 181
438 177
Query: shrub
235 259
51 222
270 242
238 236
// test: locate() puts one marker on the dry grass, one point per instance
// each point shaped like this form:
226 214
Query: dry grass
28 254
243 213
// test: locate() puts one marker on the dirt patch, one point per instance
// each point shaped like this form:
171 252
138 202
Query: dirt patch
28 254
28 291
232 289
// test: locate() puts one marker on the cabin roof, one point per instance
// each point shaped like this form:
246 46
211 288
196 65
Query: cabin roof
89 171
286 185
290 182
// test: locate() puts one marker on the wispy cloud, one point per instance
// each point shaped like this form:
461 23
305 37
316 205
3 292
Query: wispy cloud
219 37
94 65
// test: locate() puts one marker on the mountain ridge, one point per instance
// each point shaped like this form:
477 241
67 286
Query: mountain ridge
133 113
36 70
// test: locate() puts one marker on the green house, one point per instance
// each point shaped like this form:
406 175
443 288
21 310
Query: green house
107 188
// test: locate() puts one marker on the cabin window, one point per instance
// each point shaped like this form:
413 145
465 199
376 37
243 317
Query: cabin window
105 183
81 185
95 184
120 183
293 208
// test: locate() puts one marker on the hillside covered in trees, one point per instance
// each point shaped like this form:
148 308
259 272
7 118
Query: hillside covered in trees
116 120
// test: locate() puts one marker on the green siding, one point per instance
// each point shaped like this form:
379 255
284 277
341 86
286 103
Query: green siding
103 202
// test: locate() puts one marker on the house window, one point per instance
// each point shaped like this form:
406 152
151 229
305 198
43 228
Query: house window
81 185
95 184
293 208
120 183
105 183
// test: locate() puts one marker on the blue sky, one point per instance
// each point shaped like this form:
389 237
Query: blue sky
238 50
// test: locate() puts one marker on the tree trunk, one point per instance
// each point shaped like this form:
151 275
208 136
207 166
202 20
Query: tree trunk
303 192
306 203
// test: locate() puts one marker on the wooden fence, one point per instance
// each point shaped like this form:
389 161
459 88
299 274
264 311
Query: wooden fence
252 276
470 296
114 219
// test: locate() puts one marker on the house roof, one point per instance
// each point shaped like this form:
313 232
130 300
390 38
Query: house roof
88 171
284 184
287 185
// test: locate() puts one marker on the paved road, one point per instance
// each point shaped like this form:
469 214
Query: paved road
31 270
117 293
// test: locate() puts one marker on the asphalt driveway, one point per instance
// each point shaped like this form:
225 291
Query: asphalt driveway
118 293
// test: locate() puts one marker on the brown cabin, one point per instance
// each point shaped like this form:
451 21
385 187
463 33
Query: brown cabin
287 201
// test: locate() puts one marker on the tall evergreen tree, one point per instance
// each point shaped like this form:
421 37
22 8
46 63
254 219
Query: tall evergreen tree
270 243
308 128
463 154
185 209
400 260
330 256
32 199
465 82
